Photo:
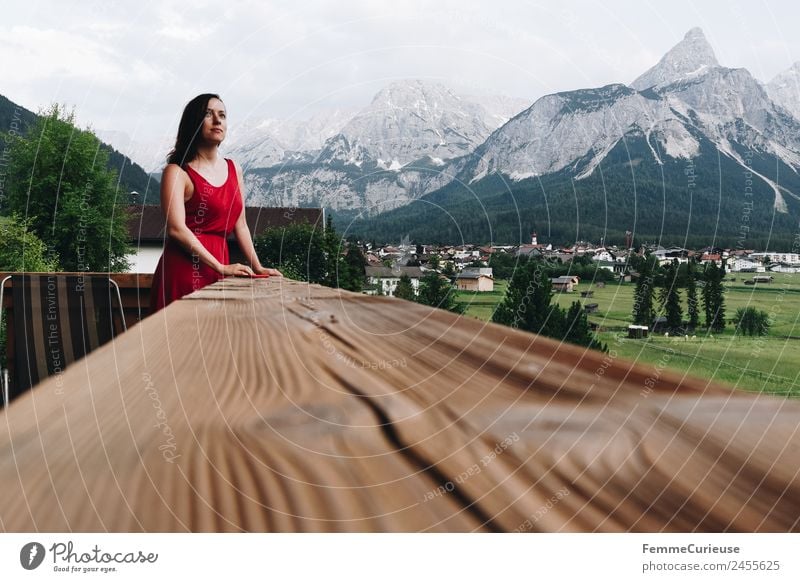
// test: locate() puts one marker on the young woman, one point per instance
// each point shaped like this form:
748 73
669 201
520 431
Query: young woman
203 201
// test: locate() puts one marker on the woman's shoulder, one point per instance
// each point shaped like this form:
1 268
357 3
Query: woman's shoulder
236 167
172 170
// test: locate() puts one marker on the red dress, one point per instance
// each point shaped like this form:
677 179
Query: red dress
211 214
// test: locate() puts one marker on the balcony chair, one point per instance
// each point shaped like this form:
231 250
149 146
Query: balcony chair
58 319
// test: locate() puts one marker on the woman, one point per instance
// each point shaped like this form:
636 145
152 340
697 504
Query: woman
203 201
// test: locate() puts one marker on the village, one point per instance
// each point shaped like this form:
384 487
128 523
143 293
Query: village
471 268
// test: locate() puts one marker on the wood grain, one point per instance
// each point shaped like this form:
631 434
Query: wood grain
273 405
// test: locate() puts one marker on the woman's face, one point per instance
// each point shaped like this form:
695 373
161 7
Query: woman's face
215 124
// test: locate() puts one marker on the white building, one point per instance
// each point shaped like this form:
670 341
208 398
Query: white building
745 265
387 278
786 258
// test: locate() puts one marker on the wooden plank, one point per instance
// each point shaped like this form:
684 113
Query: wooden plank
273 405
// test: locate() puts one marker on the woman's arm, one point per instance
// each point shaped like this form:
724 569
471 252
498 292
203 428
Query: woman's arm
173 186
244 237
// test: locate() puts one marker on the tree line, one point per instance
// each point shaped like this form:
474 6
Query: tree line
658 293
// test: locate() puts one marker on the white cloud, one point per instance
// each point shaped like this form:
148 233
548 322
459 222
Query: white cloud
286 58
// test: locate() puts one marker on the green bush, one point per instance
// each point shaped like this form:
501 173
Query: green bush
751 321
21 249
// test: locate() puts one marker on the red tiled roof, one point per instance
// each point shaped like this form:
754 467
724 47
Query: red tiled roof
147 223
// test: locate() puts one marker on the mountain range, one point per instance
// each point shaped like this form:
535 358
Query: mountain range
689 151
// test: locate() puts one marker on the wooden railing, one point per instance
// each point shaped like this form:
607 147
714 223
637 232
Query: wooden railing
273 405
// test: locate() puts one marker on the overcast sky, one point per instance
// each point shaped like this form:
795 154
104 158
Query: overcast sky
132 65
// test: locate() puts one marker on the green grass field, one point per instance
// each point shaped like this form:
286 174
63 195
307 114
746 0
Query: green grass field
766 364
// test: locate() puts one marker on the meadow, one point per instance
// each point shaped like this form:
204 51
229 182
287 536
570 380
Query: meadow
764 364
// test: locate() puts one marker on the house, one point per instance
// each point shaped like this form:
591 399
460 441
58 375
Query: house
666 256
475 279
789 258
386 279
706 258
466 254
565 283
745 265
603 255
147 230
529 250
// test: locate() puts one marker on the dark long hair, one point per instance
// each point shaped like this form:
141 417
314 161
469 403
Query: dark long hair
194 113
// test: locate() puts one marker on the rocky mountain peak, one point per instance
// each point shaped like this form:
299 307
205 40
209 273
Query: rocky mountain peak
784 89
410 119
691 57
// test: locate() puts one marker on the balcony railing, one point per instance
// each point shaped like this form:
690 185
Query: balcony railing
273 405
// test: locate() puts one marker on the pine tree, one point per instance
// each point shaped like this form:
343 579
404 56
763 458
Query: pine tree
527 304
713 298
643 311
437 292
578 331
354 262
693 306
405 289
670 297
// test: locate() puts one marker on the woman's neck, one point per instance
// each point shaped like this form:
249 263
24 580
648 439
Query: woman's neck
207 155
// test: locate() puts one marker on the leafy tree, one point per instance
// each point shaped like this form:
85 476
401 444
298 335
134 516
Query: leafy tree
22 250
437 292
449 271
643 311
751 321
404 289
503 264
670 297
307 253
61 186
714 297
297 250
692 309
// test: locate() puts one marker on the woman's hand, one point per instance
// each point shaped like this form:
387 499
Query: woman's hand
236 270
265 271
